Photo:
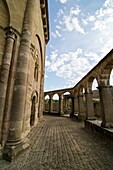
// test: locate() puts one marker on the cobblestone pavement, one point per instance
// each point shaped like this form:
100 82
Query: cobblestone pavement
60 143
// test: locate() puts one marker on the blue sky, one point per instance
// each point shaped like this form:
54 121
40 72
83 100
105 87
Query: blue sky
81 34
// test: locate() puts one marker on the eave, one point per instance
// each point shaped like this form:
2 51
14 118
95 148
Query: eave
45 18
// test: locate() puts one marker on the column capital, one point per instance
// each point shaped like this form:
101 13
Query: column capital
104 86
60 96
88 92
11 32
80 95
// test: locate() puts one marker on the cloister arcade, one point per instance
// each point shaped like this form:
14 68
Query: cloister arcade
81 95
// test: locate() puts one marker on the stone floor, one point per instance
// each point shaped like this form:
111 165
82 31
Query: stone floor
59 143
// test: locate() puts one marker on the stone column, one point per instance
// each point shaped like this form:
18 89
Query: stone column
81 107
106 106
51 104
72 109
89 106
75 104
61 105
5 69
15 143
41 101
66 105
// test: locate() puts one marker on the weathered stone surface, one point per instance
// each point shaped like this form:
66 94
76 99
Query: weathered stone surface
22 57
62 144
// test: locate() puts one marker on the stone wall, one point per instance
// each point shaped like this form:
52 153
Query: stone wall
22 62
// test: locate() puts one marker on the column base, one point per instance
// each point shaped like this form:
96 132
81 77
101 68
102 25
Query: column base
81 117
11 151
71 115
61 113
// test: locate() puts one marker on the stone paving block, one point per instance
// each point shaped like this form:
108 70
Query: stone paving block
60 143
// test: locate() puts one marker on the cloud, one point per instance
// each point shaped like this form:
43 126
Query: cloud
60 12
58 27
63 1
71 20
103 17
91 18
72 23
53 55
94 42
75 11
56 34
108 3
71 66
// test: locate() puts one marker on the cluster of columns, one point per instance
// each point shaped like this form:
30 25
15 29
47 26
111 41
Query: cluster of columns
82 104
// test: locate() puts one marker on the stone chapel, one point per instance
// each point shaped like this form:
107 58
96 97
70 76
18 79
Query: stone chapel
24 33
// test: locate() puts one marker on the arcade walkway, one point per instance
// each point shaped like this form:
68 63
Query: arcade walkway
59 143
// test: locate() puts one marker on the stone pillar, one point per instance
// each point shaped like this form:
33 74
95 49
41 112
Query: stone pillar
4 75
15 143
75 104
66 104
41 101
106 106
8 101
89 106
61 105
51 104
72 109
81 107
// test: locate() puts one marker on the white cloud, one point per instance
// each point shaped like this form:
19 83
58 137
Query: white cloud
71 66
91 18
53 55
53 35
63 1
75 11
93 56
108 3
58 34
60 12
71 20
84 22
72 23
58 27
104 17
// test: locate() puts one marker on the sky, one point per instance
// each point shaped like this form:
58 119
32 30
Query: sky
81 34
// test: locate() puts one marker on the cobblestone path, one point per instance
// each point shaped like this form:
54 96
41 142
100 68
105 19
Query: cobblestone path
59 143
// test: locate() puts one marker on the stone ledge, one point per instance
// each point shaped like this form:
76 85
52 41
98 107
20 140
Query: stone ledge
95 126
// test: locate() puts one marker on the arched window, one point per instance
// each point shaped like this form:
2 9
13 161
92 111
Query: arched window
36 71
